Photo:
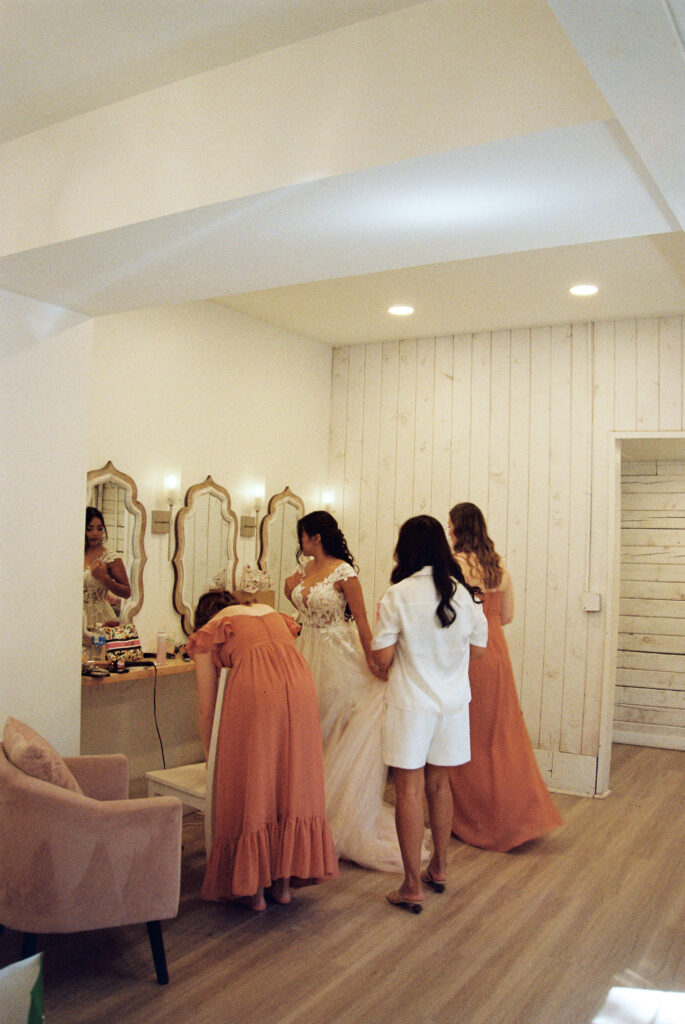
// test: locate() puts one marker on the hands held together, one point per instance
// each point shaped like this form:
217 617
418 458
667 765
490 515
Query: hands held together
378 672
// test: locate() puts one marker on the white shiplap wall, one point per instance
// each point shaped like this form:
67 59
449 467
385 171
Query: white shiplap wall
650 671
519 422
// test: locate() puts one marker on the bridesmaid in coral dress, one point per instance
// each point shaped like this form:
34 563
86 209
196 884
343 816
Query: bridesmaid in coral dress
270 823
500 798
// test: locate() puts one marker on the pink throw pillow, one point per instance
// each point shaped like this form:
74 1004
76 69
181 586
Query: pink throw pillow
33 755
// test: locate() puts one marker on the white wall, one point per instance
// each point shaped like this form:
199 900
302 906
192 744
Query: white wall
45 356
212 391
519 422
215 393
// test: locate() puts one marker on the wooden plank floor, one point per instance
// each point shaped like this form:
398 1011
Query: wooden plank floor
532 937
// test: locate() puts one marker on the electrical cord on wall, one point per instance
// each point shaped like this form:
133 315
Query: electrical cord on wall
153 664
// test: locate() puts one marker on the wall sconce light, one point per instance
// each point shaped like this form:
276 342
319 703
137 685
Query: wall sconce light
160 521
172 485
259 494
171 488
328 499
248 526
248 523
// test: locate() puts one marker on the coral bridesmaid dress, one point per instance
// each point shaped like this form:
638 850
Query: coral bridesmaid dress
500 798
270 817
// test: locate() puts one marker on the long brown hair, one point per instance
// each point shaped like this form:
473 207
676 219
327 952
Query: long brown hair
211 603
471 538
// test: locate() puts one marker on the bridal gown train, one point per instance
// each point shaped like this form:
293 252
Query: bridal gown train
351 707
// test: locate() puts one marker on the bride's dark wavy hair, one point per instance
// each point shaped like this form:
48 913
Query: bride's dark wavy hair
421 542
332 539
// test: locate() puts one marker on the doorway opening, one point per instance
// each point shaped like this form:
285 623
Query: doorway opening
644 685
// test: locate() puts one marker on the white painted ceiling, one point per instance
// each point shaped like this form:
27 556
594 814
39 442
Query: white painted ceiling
488 234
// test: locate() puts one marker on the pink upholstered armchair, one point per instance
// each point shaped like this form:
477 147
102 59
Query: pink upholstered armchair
73 862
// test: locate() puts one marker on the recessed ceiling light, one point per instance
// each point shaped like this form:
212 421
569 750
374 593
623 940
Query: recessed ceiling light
401 310
584 289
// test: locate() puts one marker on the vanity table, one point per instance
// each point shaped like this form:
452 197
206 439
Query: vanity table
118 716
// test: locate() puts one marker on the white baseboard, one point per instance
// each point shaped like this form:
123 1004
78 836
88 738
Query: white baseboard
664 736
568 773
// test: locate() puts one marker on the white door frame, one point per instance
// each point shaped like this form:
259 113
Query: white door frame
613 582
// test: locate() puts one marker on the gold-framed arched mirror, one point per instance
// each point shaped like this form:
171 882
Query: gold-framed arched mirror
206 554
116 495
278 541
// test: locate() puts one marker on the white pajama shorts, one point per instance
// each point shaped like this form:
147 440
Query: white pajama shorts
411 739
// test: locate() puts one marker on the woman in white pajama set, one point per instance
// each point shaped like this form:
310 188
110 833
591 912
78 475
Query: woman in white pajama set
430 623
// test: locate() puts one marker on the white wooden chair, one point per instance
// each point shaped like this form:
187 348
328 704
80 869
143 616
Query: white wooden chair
189 781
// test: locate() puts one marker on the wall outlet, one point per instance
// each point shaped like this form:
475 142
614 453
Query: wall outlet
592 602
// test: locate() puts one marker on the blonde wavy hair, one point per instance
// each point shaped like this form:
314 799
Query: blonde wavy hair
471 539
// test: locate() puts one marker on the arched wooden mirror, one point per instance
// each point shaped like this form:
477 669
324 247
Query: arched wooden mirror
278 541
116 495
206 547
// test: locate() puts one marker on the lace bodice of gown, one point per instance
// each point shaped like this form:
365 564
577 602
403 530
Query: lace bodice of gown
95 605
321 604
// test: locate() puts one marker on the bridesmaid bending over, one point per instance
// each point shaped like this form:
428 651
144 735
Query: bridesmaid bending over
270 818
500 798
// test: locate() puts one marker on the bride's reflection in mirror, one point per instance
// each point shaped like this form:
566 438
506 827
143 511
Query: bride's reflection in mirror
105 580
115 554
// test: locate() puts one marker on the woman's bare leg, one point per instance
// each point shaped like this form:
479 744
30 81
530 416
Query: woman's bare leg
439 797
409 789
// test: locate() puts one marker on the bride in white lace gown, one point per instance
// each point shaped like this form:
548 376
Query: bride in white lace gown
350 697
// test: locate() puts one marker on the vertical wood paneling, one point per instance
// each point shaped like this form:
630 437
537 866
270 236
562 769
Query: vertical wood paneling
442 429
480 421
350 519
423 446
670 373
498 456
647 350
538 528
606 349
516 551
368 493
387 470
461 419
558 537
650 673
625 366
579 507
519 422
681 322
406 432
338 430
